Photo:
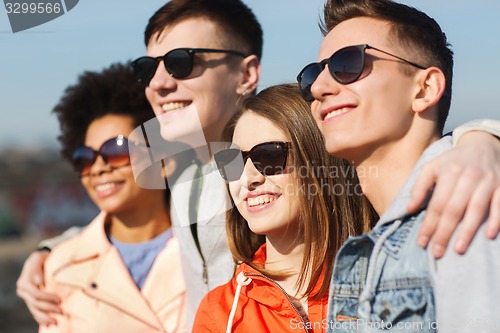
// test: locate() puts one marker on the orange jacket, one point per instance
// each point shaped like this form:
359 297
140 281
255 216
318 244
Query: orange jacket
98 294
262 305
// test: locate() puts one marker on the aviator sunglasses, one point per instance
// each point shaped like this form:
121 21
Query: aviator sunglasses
269 158
178 63
346 66
114 152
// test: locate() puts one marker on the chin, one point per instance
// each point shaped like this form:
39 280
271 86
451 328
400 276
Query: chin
259 227
336 148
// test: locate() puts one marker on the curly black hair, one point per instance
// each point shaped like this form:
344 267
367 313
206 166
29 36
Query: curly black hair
114 90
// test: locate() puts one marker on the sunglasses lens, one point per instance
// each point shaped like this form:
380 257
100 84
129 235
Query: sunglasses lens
115 152
230 163
346 65
269 158
145 69
179 63
306 79
83 158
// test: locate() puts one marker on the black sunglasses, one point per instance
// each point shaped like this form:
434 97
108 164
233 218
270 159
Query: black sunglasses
114 152
269 158
178 62
346 66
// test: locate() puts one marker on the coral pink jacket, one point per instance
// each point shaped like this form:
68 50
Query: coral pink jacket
98 294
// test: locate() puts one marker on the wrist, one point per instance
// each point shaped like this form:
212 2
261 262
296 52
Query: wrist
477 137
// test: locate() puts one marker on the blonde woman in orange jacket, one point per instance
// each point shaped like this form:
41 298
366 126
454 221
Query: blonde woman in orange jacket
294 206
123 272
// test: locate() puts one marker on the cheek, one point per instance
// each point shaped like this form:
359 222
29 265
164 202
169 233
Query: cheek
315 108
234 190
217 90
86 184
150 96
289 181
127 175
388 92
294 190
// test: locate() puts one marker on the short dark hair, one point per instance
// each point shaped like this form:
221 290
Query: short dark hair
113 91
234 18
411 28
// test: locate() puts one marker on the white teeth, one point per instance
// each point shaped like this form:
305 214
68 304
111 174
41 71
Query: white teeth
260 200
173 106
336 113
104 187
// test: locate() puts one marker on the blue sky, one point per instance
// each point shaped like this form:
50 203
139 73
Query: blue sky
36 65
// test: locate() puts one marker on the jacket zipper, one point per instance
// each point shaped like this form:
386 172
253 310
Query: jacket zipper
194 233
205 272
286 295
193 217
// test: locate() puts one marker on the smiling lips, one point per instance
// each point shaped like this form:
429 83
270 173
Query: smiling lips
337 112
261 200
167 107
107 189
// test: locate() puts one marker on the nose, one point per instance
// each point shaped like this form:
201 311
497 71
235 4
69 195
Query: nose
324 85
251 177
99 167
162 80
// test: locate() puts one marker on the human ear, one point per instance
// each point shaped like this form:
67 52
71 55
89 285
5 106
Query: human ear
250 68
431 85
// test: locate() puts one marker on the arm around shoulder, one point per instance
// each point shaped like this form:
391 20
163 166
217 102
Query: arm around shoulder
50 243
491 126
57 258
466 183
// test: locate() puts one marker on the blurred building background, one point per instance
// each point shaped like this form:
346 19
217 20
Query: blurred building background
40 196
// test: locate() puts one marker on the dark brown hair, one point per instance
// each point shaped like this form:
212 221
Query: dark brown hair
242 32
410 28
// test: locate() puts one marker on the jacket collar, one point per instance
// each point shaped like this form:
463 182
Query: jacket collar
98 270
267 291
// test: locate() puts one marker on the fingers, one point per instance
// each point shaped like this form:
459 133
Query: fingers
493 222
39 302
34 296
475 214
424 184
42 318
40 305
468 196
467 187
31 278
438 205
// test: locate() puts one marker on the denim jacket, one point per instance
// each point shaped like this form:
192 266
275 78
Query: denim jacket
384 281
381 281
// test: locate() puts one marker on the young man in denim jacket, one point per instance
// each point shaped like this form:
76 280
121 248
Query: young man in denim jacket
381 98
